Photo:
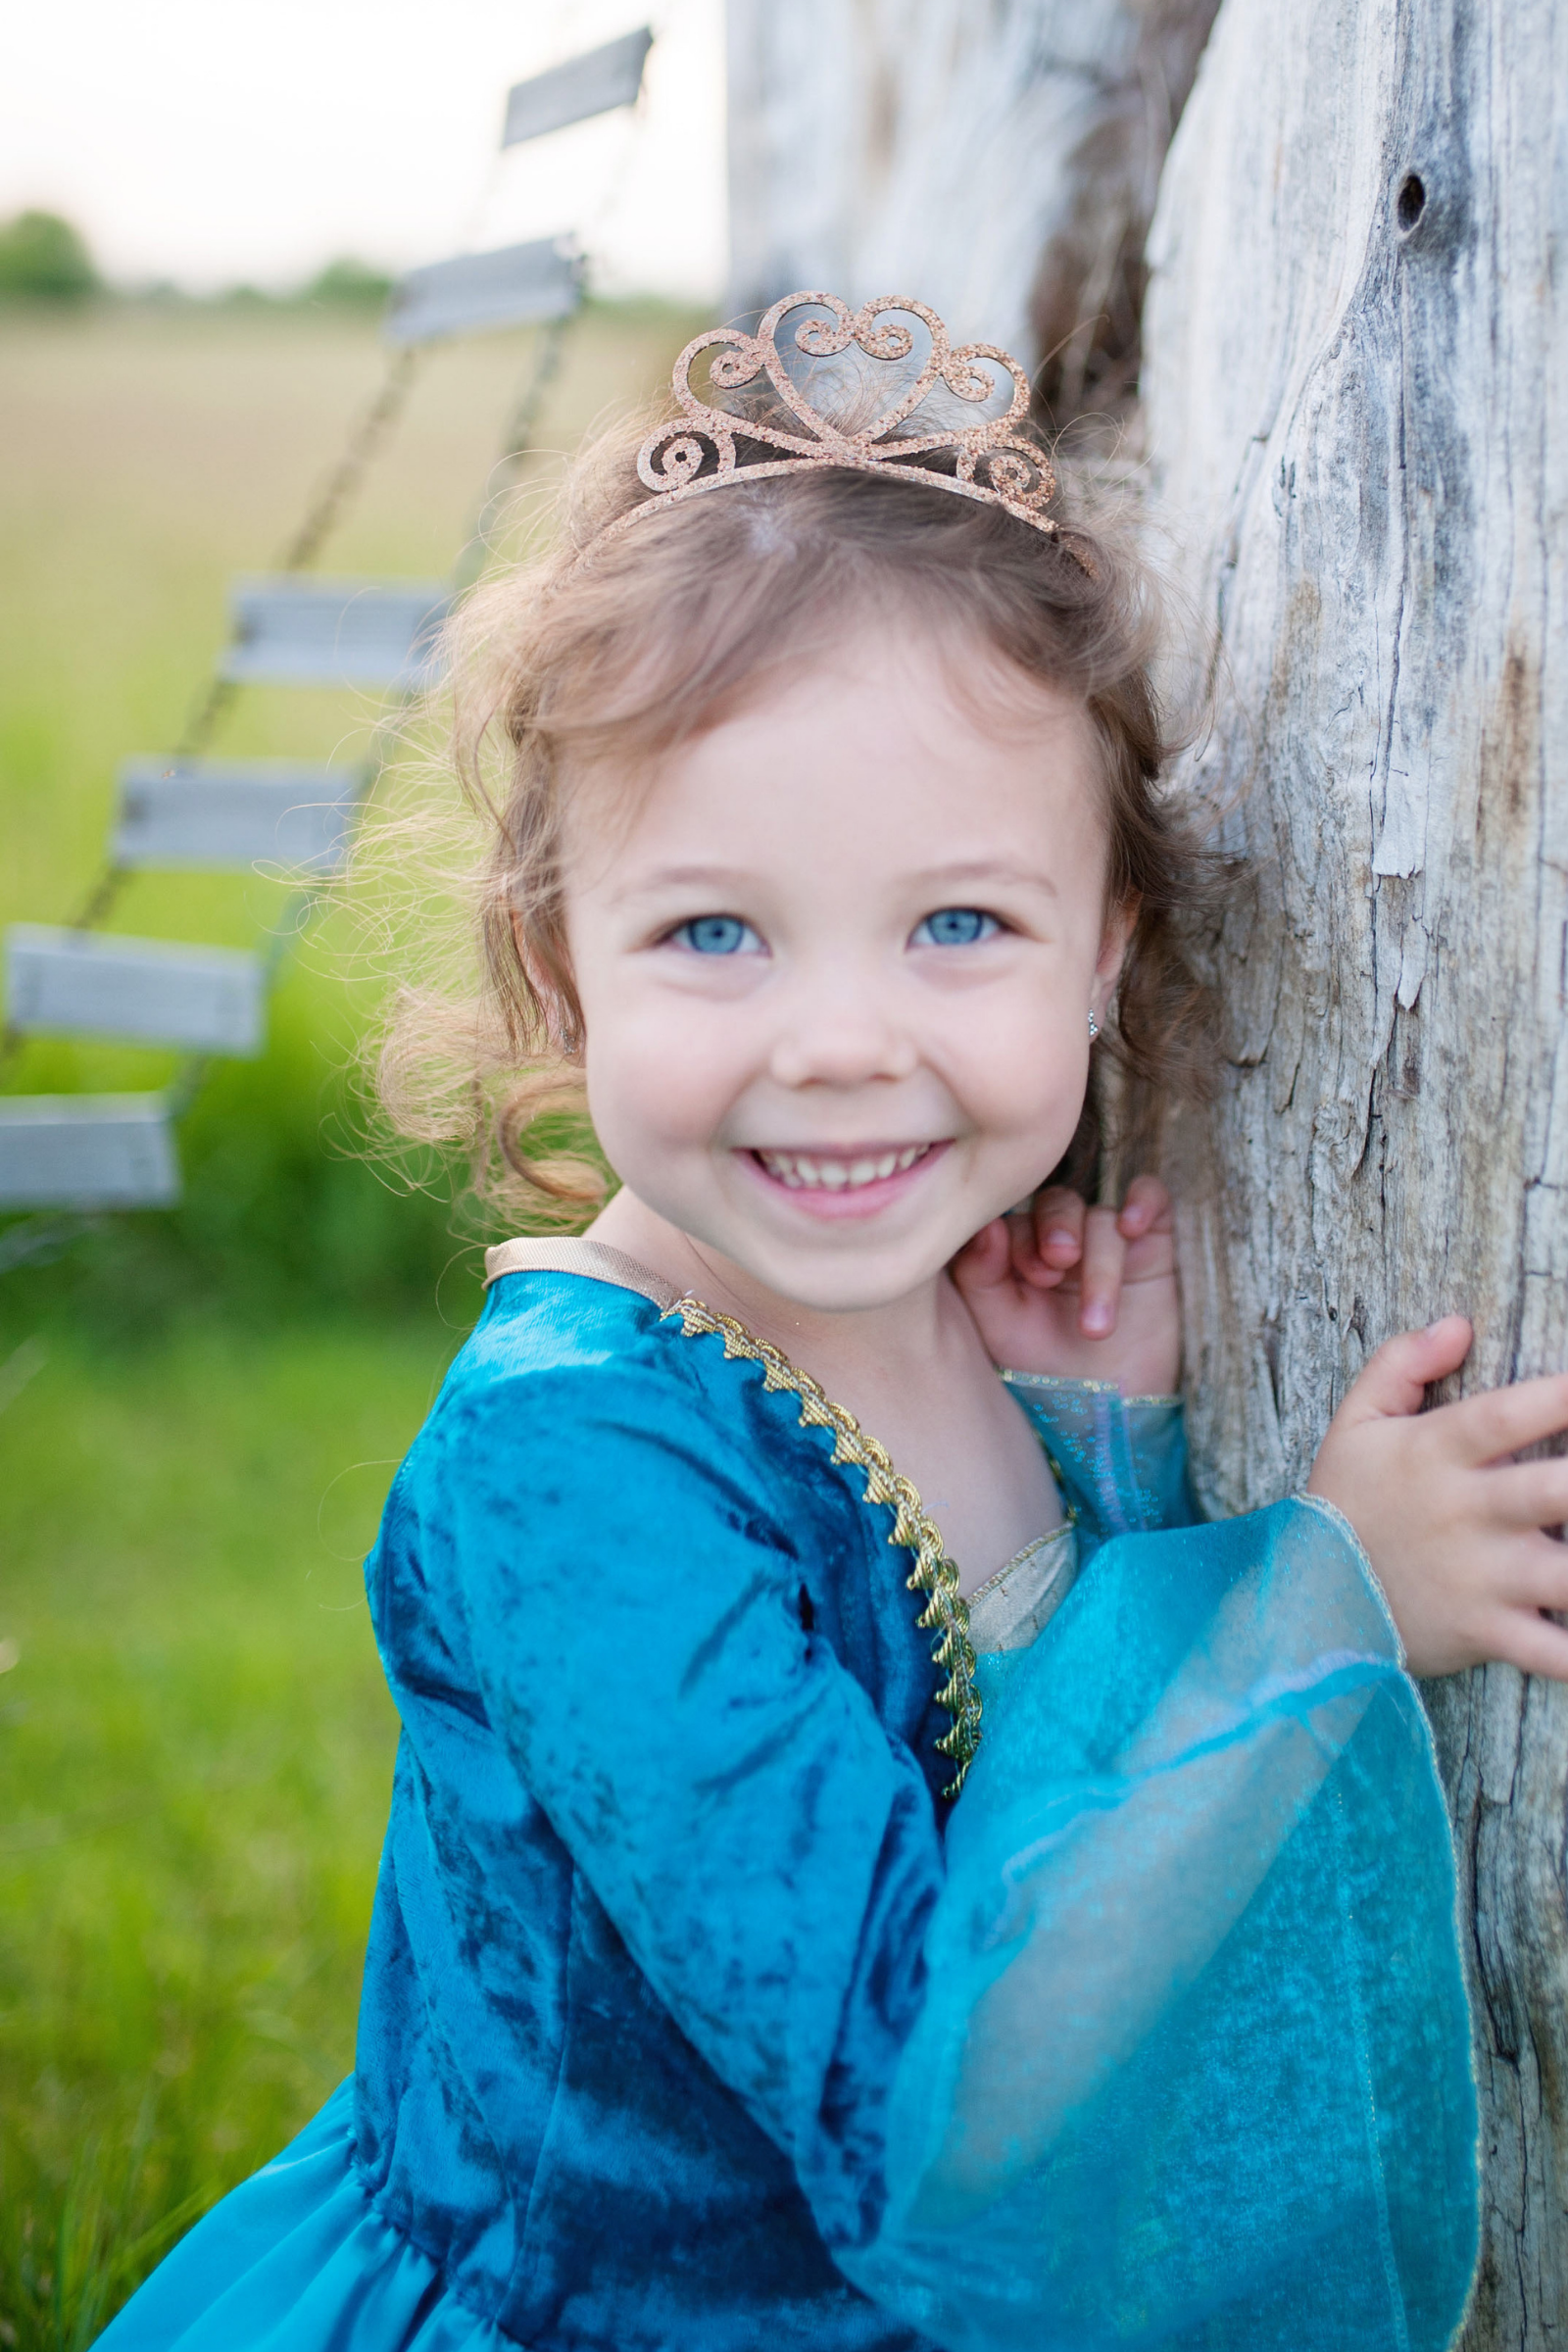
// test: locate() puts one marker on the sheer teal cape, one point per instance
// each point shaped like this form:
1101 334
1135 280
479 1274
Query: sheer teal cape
1197 2072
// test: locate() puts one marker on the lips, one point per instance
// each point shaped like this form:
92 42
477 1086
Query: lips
845 1172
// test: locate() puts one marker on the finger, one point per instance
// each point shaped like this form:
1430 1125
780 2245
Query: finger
1395 1381
1047 1241
1147 1207
1528 1494
1099 1279
986 1260
1058 1227
1505 1419
1536 1575
1519 1638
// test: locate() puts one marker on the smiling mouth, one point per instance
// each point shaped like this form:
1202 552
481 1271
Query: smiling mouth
835 1172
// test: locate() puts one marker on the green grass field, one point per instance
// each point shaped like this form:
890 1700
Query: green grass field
195 1748
199 1411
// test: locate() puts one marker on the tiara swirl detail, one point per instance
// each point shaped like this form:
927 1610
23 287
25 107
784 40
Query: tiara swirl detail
990 462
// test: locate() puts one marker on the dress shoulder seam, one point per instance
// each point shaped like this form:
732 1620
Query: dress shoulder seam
594 1262
934 1575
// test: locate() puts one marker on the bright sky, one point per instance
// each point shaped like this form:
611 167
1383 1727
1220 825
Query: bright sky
208 141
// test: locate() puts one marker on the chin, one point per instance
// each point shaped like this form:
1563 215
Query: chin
846 1283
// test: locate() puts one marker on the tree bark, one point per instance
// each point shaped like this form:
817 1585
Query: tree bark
997 163
1355 348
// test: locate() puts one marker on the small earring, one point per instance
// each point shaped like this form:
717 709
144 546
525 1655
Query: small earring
1093 1025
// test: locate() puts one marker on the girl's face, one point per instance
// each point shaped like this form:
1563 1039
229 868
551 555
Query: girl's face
836 972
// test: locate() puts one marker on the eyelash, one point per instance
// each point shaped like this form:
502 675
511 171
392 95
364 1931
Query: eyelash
684 936
988 927
741 939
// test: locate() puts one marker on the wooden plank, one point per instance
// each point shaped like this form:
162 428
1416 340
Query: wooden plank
74 983
234 816
585 86
310 632
512 286
86 1151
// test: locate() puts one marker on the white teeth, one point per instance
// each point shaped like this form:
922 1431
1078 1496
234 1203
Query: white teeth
815 1172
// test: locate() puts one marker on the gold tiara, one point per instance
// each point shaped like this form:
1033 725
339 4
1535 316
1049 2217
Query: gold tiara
990 462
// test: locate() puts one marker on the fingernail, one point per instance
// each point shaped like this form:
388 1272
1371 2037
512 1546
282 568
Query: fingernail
1096 1318
1061 1237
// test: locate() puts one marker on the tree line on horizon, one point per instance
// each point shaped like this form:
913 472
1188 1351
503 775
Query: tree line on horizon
45 260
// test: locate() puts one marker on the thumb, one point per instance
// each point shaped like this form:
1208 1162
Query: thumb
1396 1379
985 1261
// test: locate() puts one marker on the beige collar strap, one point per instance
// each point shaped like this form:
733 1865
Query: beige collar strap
591 1259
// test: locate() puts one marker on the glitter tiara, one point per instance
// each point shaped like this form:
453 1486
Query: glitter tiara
990 462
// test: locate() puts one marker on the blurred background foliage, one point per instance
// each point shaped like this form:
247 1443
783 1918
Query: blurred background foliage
44 259
200 1410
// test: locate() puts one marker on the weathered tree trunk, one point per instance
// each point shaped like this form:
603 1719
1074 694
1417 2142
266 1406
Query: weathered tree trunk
1001 163
1356 365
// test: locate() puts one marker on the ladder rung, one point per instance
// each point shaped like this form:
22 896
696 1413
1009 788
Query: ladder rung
222 816
154 992
291 632
585 86
510 287
86 1151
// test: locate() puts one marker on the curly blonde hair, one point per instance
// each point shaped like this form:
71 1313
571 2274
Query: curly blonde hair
613 655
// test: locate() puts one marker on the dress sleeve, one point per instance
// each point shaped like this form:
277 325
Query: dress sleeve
768 1851
1193 2068
1120 1462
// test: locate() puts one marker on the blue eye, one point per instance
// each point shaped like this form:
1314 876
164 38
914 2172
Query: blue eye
717 935
954 927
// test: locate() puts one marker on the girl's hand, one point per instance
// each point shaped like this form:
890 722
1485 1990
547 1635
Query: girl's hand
1451 1524
1088 1294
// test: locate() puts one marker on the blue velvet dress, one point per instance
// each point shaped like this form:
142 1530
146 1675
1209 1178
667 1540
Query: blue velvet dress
696 2020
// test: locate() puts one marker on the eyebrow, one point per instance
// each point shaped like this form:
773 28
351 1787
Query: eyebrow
936 877
985 869
685 877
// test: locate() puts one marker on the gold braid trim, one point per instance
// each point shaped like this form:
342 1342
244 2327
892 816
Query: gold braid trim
934 1574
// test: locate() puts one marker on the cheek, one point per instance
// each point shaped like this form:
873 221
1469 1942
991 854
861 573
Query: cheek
1021 1065
658 1077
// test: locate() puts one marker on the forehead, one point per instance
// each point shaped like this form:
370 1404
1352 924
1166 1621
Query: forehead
885 748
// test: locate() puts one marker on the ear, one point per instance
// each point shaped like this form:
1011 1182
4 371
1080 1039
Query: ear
1115 941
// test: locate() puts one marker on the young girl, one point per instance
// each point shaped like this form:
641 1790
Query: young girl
701 2009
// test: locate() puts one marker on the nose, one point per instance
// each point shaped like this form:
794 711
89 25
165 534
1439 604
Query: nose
839 1028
